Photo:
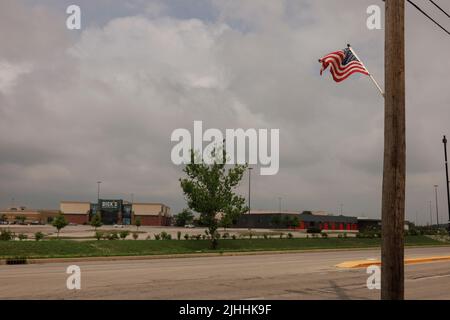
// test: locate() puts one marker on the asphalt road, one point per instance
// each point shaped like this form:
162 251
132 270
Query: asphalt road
275 276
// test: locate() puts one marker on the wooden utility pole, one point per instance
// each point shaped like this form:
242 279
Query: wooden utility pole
393 199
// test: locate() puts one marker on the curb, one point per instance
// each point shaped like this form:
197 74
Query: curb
204 255
367 263
178 256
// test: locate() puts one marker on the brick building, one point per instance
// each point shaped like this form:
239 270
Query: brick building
117 211
296 220
16 214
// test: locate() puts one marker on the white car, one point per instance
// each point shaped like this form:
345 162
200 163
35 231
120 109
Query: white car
189 226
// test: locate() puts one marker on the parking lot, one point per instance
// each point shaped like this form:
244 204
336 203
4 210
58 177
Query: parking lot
86 232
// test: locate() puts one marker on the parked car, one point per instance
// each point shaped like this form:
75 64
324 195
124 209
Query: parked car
190 226
35 223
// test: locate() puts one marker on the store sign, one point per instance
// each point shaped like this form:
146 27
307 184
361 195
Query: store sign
110 204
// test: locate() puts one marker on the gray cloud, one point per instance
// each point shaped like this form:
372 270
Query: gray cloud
101 103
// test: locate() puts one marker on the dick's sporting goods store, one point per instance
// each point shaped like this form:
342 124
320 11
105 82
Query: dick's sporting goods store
116 211
112 211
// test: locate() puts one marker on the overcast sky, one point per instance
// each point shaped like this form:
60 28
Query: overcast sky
102 102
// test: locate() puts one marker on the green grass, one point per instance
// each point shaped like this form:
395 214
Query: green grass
67 248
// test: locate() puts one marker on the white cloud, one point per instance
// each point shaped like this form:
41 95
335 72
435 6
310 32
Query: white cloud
102 104
10 74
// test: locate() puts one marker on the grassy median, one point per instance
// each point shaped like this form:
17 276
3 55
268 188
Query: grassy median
68 249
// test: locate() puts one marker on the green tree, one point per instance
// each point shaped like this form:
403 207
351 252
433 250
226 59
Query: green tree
138 223
210 188
123 234
38 236
184 217
229 218
59 223
96 221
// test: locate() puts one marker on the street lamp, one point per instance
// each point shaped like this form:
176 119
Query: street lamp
98 190
431 215
249 188
279 205
444 141
437 208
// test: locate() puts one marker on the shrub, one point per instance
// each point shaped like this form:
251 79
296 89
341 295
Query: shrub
123 234
165 236
204 237
22 236
250 236
290 235
265 236
38 236
113 236
186 236
345 234
157 236
226 235
135 235
198 236
98 235
281 235
233 237
179 235
340 235
6 235
325 235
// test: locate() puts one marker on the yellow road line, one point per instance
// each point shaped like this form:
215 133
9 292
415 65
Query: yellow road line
367 263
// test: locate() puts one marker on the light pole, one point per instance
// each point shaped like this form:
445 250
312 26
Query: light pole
437 207
98 190
249 188
279 205
431 215
444 141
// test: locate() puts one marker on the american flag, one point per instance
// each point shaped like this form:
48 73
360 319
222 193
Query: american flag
343 64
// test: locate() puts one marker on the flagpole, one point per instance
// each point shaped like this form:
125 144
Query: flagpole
370 75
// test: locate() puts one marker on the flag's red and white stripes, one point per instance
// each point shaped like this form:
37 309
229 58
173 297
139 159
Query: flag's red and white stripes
342 65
